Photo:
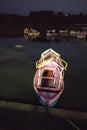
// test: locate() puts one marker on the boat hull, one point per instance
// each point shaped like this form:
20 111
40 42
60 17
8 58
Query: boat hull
48 93
44 103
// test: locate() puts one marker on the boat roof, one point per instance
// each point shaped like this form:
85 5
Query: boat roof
50 51
51 55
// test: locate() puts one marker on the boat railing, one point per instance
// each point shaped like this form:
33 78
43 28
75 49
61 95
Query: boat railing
62 63
51 78
43 61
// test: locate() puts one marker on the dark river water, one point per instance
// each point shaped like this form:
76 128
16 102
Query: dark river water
17 69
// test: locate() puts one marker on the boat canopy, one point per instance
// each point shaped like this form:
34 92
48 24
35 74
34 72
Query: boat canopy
51 55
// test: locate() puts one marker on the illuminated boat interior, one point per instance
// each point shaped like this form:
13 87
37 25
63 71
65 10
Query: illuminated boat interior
49 64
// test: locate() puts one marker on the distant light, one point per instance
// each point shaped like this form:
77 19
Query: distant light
66 15
18 46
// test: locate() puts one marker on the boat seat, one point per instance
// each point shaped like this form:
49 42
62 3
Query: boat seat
46 89
47 82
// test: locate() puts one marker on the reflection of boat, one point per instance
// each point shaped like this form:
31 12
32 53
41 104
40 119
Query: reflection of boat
31 32
48 80
50 38
51 33
18 46
27 36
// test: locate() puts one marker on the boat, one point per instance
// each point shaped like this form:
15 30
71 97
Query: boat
63 32
81 34
48 80
73 33
51 33
31 32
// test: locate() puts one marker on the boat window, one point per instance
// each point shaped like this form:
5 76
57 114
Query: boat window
47 79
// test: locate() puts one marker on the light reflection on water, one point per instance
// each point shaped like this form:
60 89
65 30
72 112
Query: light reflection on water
17 68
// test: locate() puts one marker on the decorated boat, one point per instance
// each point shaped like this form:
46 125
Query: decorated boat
49 77
31 32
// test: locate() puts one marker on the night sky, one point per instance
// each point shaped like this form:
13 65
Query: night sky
23 7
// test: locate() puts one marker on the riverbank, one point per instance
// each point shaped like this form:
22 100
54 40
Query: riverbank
26 116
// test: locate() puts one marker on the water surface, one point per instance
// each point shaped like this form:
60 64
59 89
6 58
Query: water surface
17 69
